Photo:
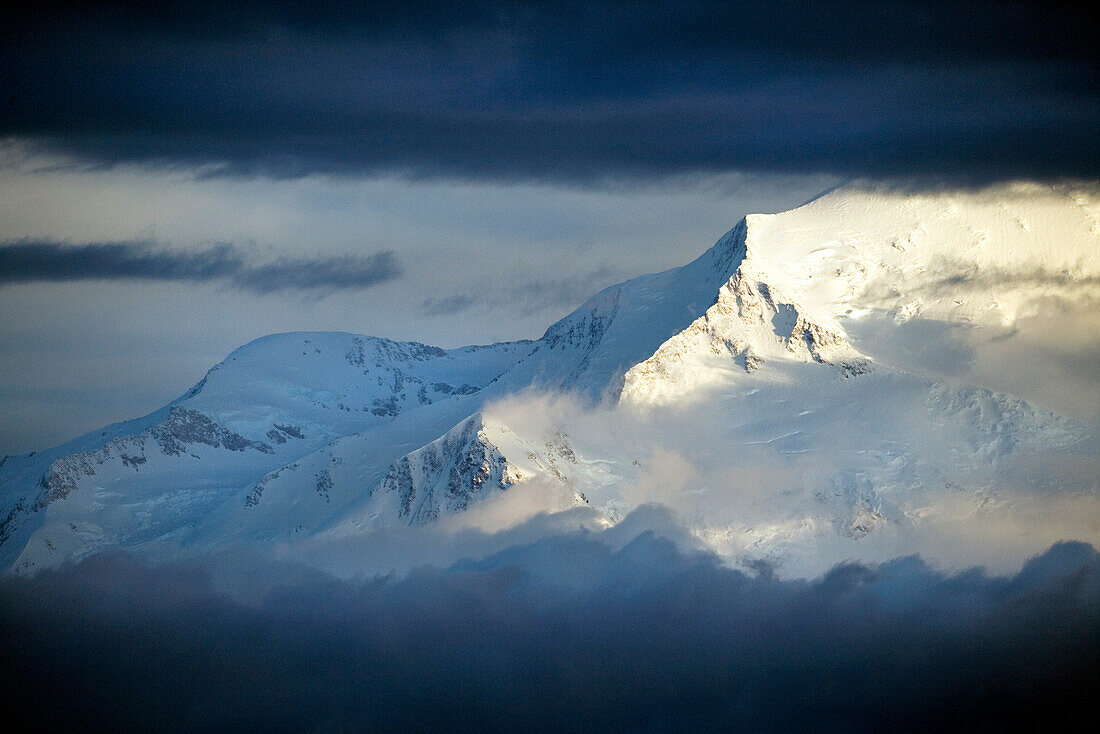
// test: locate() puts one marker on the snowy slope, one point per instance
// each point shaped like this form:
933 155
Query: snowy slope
751 326
860 456
336 384
730 390
980 255
862 251
269 404
590 350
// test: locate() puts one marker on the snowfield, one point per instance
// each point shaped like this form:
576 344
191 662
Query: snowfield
813 388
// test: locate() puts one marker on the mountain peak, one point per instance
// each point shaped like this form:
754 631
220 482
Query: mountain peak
982 256
333 434
750 327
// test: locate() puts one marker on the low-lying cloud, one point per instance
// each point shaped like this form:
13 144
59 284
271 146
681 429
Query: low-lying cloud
566 633
1054 352
26 261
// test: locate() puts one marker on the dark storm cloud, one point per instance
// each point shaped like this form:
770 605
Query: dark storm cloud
27 261
559 91
564 634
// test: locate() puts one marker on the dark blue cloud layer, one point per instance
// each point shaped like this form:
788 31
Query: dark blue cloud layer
562 635
26 261
562 91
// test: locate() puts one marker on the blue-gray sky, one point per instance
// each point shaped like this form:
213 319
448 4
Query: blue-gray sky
176 180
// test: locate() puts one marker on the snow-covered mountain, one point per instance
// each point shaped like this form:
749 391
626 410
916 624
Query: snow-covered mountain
735 390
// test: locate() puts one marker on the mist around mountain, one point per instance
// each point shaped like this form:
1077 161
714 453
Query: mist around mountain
878 372
841 470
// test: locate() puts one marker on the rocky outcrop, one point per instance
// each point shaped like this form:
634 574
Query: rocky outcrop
448 474
173 436
748 326
184 427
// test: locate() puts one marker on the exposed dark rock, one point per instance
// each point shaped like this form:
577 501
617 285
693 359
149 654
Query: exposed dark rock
10 523
445 389
448 474
132 461
198 388
253 497
184 426
385 408
392 351
290 430
324 483
181 429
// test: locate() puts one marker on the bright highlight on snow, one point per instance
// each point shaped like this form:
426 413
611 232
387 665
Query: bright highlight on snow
767 394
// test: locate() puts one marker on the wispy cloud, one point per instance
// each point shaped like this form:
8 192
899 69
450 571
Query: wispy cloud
26 261
526 297
448 305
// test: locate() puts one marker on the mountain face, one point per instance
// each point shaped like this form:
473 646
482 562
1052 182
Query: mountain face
749 325
734 390
460 467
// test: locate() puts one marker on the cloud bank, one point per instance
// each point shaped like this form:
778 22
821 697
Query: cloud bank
565 633
561 92
27 261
